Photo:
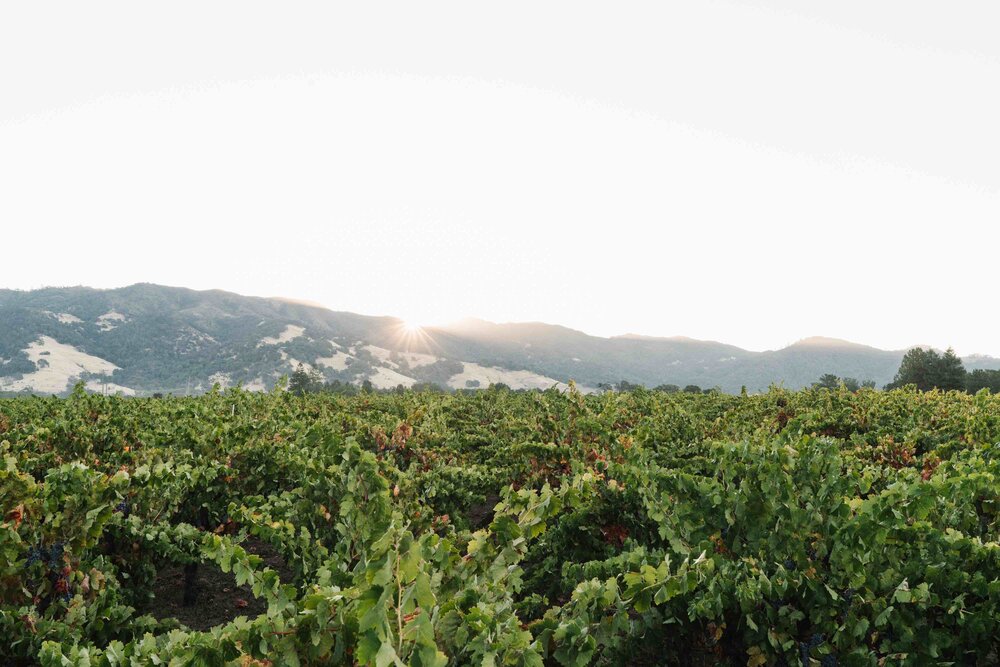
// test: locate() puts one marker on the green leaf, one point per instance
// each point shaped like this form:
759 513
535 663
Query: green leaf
409 563
387 656
368 646
423 592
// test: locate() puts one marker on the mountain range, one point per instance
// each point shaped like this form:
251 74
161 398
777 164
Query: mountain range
148 338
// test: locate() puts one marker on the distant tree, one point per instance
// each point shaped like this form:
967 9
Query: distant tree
827 381
983 379
621 385
367 386
868 384
339 387
692 389
951 372
831 381
472 384
298 384
668 388
917 368
305 381
929 370
625 385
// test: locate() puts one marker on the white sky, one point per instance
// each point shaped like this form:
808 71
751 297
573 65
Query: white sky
751 172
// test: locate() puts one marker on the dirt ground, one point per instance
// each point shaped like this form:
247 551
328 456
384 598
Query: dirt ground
219 600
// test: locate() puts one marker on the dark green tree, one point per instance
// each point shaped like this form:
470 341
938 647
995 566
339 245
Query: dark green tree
339 387
827 381
831 381
917 368
305 381
692 389
951 372
983 379
625 385
929 370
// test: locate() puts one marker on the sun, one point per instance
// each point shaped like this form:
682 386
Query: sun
411 336
410 327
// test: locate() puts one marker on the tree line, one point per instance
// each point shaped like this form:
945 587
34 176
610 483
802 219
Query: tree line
927 370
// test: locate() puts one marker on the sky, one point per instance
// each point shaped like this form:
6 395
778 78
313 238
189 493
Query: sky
749 172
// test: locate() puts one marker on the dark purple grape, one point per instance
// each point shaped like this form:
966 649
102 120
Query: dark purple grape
34 555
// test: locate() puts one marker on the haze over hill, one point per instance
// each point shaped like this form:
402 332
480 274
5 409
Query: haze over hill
149 338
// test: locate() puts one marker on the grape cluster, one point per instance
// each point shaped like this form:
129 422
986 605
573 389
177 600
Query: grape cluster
789 564
52 556
59 572
829 661
123 508
55 554
805 647
34 555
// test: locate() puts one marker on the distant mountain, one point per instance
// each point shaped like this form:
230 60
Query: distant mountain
148 338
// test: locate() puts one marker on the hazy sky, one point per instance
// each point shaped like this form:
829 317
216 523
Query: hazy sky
751 172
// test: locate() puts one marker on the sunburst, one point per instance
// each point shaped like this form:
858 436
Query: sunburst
412 337
410 328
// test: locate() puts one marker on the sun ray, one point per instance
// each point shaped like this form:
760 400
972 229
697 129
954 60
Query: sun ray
412 337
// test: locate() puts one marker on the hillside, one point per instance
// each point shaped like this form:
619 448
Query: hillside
149 338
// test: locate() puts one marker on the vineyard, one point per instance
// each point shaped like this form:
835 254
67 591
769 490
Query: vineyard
821 527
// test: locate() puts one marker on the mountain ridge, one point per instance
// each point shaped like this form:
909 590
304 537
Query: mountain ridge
147 338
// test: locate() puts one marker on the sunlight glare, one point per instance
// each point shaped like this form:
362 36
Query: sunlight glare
410 327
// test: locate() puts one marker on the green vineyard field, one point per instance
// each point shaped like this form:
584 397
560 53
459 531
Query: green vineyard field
819 527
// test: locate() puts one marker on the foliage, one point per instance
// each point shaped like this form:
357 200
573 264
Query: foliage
983 379
831 381
929 370
824 526
305 381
